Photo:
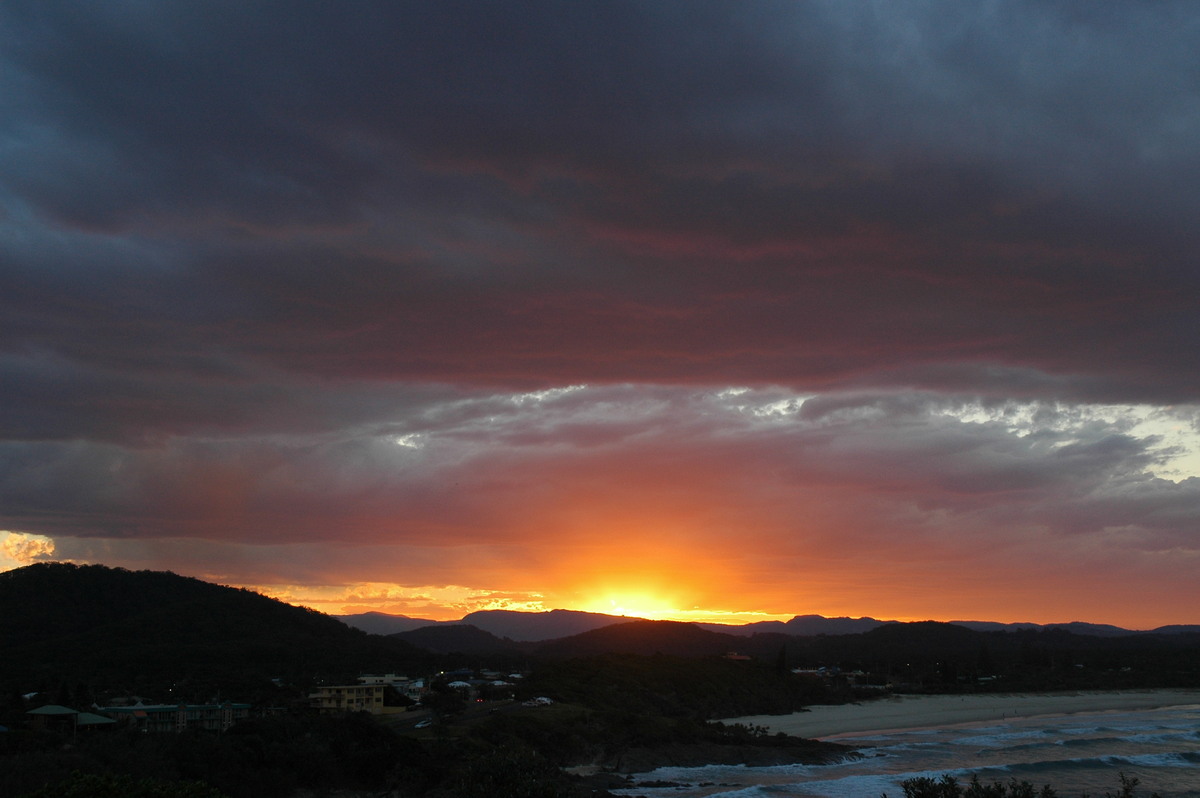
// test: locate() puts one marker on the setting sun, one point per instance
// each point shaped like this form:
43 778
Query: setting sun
636 605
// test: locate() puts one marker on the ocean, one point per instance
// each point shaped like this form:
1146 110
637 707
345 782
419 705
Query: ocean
1075 754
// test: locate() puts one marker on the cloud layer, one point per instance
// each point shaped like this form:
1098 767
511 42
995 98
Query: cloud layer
868 308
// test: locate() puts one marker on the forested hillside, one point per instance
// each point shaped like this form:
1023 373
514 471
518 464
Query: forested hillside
145 631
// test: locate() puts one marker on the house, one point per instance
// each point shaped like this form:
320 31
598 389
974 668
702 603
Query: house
178 717
53 716
348 698
410 688
390 679
90 720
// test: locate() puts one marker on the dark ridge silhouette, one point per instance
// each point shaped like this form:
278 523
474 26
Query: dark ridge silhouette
1075 627
803 625
645 638
535 626
554 624
1178 629
112 626
381 623
456 638
818 625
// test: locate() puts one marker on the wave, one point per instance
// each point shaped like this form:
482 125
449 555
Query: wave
1162 738
1047 744
1001 738
1076 755
1079 742
1162 760
736 776
867 784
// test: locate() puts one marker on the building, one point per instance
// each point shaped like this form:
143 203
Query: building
348 698
178 717
53 716
411 688
391 679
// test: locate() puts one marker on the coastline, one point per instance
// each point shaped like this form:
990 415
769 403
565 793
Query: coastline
843 722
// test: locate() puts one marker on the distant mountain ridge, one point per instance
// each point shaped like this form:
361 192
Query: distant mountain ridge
157 631
452 638
803 625
912 653
533 626
1075 627
381 623
553 624
511 624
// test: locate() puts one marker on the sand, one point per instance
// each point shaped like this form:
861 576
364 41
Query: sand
916 712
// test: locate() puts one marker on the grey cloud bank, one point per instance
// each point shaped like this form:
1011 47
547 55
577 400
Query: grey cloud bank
245 249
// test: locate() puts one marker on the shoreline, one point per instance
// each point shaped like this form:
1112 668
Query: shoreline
843 722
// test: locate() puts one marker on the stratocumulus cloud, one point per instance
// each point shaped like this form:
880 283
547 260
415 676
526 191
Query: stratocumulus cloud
771 307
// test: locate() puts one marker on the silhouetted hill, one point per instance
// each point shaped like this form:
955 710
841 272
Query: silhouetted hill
643 637
994 626
110 628
705 687
1075 627
381 623
803 625
554 624
1178 629
456 638
880 649
922 640
534 626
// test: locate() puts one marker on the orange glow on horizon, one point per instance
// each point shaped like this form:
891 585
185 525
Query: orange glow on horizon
639 561
623 598
633 605
623 595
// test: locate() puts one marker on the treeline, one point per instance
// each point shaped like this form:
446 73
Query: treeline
923 656
680 687
940 657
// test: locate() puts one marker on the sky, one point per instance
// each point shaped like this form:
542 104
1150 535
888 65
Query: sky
708 310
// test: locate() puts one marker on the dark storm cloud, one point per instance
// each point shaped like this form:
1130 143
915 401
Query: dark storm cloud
303 107
295 271
764 192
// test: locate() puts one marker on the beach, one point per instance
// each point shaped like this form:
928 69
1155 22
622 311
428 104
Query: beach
1078 742
925 711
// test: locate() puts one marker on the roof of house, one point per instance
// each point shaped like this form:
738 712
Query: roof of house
141 710
52 709
92 719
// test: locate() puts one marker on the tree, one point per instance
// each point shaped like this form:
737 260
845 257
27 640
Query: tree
949 787
511 772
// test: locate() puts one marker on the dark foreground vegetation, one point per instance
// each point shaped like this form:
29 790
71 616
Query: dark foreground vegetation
518 752
950 787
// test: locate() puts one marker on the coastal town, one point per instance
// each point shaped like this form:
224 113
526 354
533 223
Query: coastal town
389 696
